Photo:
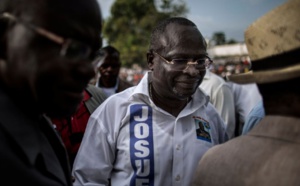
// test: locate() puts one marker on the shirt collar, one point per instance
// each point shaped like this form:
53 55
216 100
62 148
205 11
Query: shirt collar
207 74
141 88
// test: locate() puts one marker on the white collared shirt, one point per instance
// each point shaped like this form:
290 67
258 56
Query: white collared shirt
133 142
222 97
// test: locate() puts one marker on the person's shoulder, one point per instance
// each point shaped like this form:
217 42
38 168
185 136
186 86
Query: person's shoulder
120 98
228 146
213 115
92 89
213 81
216 77
211 109
96 92
257 111
114 107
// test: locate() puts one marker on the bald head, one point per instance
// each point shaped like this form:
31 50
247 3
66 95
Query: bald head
165 29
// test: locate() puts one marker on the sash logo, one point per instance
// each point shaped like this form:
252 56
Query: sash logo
141 145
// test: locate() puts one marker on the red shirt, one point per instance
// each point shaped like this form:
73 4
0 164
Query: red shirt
72 129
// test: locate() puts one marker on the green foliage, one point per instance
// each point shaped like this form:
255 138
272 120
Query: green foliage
219 38
130 25
231 41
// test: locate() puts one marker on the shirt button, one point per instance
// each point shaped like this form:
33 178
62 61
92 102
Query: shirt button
177 178
178 147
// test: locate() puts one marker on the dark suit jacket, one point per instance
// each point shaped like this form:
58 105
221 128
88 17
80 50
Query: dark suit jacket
31 153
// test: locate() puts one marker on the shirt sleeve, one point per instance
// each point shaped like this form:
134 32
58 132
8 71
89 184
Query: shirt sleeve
95 157
254 117
223 101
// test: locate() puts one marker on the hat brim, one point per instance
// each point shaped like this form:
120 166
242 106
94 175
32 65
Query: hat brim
268 76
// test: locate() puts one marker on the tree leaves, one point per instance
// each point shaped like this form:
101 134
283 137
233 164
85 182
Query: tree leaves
129 27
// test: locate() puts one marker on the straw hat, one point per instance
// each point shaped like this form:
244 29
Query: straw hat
273 43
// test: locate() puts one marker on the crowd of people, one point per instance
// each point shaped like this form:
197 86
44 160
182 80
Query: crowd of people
229 67
71 115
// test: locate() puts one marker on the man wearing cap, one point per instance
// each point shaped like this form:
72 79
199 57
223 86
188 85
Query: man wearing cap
269 153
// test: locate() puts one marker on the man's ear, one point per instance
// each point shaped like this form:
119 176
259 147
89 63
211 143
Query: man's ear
150 57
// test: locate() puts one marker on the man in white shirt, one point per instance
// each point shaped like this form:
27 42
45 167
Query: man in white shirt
246 96
221 96
156 132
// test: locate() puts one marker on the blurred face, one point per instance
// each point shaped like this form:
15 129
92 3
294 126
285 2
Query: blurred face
38 70
109 69
179 42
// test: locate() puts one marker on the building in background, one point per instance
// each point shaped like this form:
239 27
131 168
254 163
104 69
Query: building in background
229 59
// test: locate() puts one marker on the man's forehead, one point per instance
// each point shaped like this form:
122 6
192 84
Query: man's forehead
56 11
176 34
67 22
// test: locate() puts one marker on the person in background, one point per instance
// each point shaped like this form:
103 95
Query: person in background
109 68
222 98
156 132
71 129
254 117
269 153
45 65
246 96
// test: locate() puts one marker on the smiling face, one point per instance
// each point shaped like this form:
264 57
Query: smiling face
37 74
178 41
